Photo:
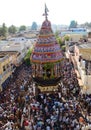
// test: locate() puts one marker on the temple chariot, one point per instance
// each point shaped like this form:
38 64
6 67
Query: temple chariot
46 58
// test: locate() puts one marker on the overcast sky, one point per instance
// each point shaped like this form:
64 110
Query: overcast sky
24 12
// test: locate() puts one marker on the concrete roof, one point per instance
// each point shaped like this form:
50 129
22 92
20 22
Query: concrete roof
85 46
4 53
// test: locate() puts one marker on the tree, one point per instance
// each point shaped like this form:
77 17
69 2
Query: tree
59 40
56 34
3 30
86 24
22 28
73 24
66 38
27 57
34 26
12 29
63 48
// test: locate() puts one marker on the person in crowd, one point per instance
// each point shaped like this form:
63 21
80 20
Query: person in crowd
67 109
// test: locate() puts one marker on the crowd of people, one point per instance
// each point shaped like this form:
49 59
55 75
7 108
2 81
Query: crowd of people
67 109
13 98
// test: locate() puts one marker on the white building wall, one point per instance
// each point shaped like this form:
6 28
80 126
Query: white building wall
86 79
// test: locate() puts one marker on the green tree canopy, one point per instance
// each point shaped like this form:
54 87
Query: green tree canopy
59 40
57 34
34 26
73 24
22 28
3 30
12 29
27 57
66 38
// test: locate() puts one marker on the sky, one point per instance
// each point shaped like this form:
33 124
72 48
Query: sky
24 12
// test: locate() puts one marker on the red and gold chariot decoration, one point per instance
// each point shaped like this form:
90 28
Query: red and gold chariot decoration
46 56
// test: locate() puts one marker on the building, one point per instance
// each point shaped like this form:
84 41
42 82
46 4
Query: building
16 47
83 60
3 44
46 58
8 61
23 40
20 44
75 34
12 53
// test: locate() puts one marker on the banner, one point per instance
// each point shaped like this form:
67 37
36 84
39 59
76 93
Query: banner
48 88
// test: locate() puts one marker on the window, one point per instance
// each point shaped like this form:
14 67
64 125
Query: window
7 65
4 69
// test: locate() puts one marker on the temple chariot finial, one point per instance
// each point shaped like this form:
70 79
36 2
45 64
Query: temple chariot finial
45 13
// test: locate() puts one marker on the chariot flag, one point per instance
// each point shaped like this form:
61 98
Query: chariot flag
46 10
